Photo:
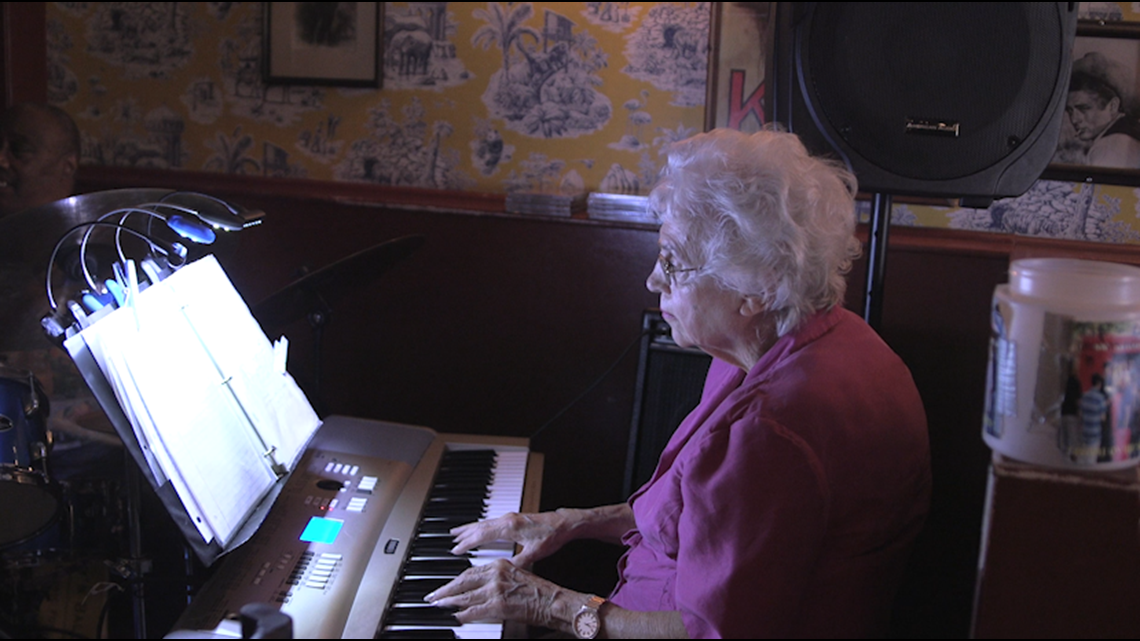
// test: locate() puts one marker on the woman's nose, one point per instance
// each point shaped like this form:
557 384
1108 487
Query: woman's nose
656 280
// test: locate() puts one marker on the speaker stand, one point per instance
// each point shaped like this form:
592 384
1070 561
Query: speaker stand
877 259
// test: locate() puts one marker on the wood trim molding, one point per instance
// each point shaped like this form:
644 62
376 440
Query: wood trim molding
907 239
1013 246
97 178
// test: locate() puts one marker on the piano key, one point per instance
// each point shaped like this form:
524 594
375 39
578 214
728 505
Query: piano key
434 545
418 633
430 564
414 590
465 631
453 567
423 614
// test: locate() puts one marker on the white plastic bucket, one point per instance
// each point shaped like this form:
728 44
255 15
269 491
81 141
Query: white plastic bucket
1063 383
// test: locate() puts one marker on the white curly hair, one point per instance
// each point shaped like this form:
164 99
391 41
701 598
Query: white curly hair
764 217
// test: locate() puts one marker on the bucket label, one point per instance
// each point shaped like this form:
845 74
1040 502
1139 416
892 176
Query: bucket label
1001 377
1088 388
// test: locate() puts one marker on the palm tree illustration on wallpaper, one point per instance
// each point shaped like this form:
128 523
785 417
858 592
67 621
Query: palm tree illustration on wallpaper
230 154
545 87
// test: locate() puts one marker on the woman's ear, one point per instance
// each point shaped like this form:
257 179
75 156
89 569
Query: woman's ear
751 306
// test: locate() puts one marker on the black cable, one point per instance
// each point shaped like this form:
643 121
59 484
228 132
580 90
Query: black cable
596 382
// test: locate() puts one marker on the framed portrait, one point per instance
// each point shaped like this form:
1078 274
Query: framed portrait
1100 129
740 41
323 43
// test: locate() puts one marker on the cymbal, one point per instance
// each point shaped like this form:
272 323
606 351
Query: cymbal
306 294
28 238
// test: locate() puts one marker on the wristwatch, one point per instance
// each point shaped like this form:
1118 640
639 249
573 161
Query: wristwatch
588 621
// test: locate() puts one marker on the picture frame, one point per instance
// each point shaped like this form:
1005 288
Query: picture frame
1106 50
740 40
323 43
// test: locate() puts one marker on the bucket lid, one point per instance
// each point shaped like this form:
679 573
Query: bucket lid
1075 281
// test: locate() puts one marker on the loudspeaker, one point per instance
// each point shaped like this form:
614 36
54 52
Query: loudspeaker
670 379
944 99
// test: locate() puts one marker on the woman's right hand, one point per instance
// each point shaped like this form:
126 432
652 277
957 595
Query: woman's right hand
540 534
544 533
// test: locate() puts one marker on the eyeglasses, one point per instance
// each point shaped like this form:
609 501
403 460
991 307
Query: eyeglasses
670 270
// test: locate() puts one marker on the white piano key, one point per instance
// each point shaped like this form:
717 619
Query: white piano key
504 495
465 631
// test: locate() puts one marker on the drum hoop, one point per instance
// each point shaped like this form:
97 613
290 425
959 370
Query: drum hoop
23 475
24 375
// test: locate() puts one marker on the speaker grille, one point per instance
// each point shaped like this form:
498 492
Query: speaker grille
992 68
670 381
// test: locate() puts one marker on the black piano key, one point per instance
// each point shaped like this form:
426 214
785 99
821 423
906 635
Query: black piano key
453 517
425 615
458 496
481 480
459 514
474 471
439 525
419 633
458 501
436 567
433 546
466 501
454 456
414 590
478 468
458 490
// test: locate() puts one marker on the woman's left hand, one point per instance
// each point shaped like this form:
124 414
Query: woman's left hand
501 591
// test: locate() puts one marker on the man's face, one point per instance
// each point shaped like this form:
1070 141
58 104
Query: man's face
35 166
1089 114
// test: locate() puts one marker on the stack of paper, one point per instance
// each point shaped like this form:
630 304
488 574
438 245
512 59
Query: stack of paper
209 400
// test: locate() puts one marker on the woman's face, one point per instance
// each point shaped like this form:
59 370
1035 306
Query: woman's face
700 312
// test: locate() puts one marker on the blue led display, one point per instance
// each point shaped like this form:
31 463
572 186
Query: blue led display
321 530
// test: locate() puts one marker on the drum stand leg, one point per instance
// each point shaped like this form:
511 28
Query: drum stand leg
134 567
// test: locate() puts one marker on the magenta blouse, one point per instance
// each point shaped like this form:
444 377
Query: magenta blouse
787 502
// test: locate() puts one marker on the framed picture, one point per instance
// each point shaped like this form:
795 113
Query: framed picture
323 43
740 41
1100 129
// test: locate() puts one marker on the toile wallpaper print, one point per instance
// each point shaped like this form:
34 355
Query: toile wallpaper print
557 97
495 97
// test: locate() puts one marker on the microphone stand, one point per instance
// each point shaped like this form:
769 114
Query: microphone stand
318 318
877 259
132 568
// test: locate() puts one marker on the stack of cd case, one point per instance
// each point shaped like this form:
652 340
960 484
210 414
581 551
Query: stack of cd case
546 204
626 207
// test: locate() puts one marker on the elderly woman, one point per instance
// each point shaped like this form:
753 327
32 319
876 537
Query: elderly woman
787 502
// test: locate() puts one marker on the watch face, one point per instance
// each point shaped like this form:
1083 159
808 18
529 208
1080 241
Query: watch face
586 624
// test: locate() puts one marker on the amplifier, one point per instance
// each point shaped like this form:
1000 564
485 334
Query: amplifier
669 383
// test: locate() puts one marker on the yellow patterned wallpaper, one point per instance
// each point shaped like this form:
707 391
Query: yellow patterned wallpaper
487 97
491 97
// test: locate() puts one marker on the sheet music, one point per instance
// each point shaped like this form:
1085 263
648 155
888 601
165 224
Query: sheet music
196 377
277 408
